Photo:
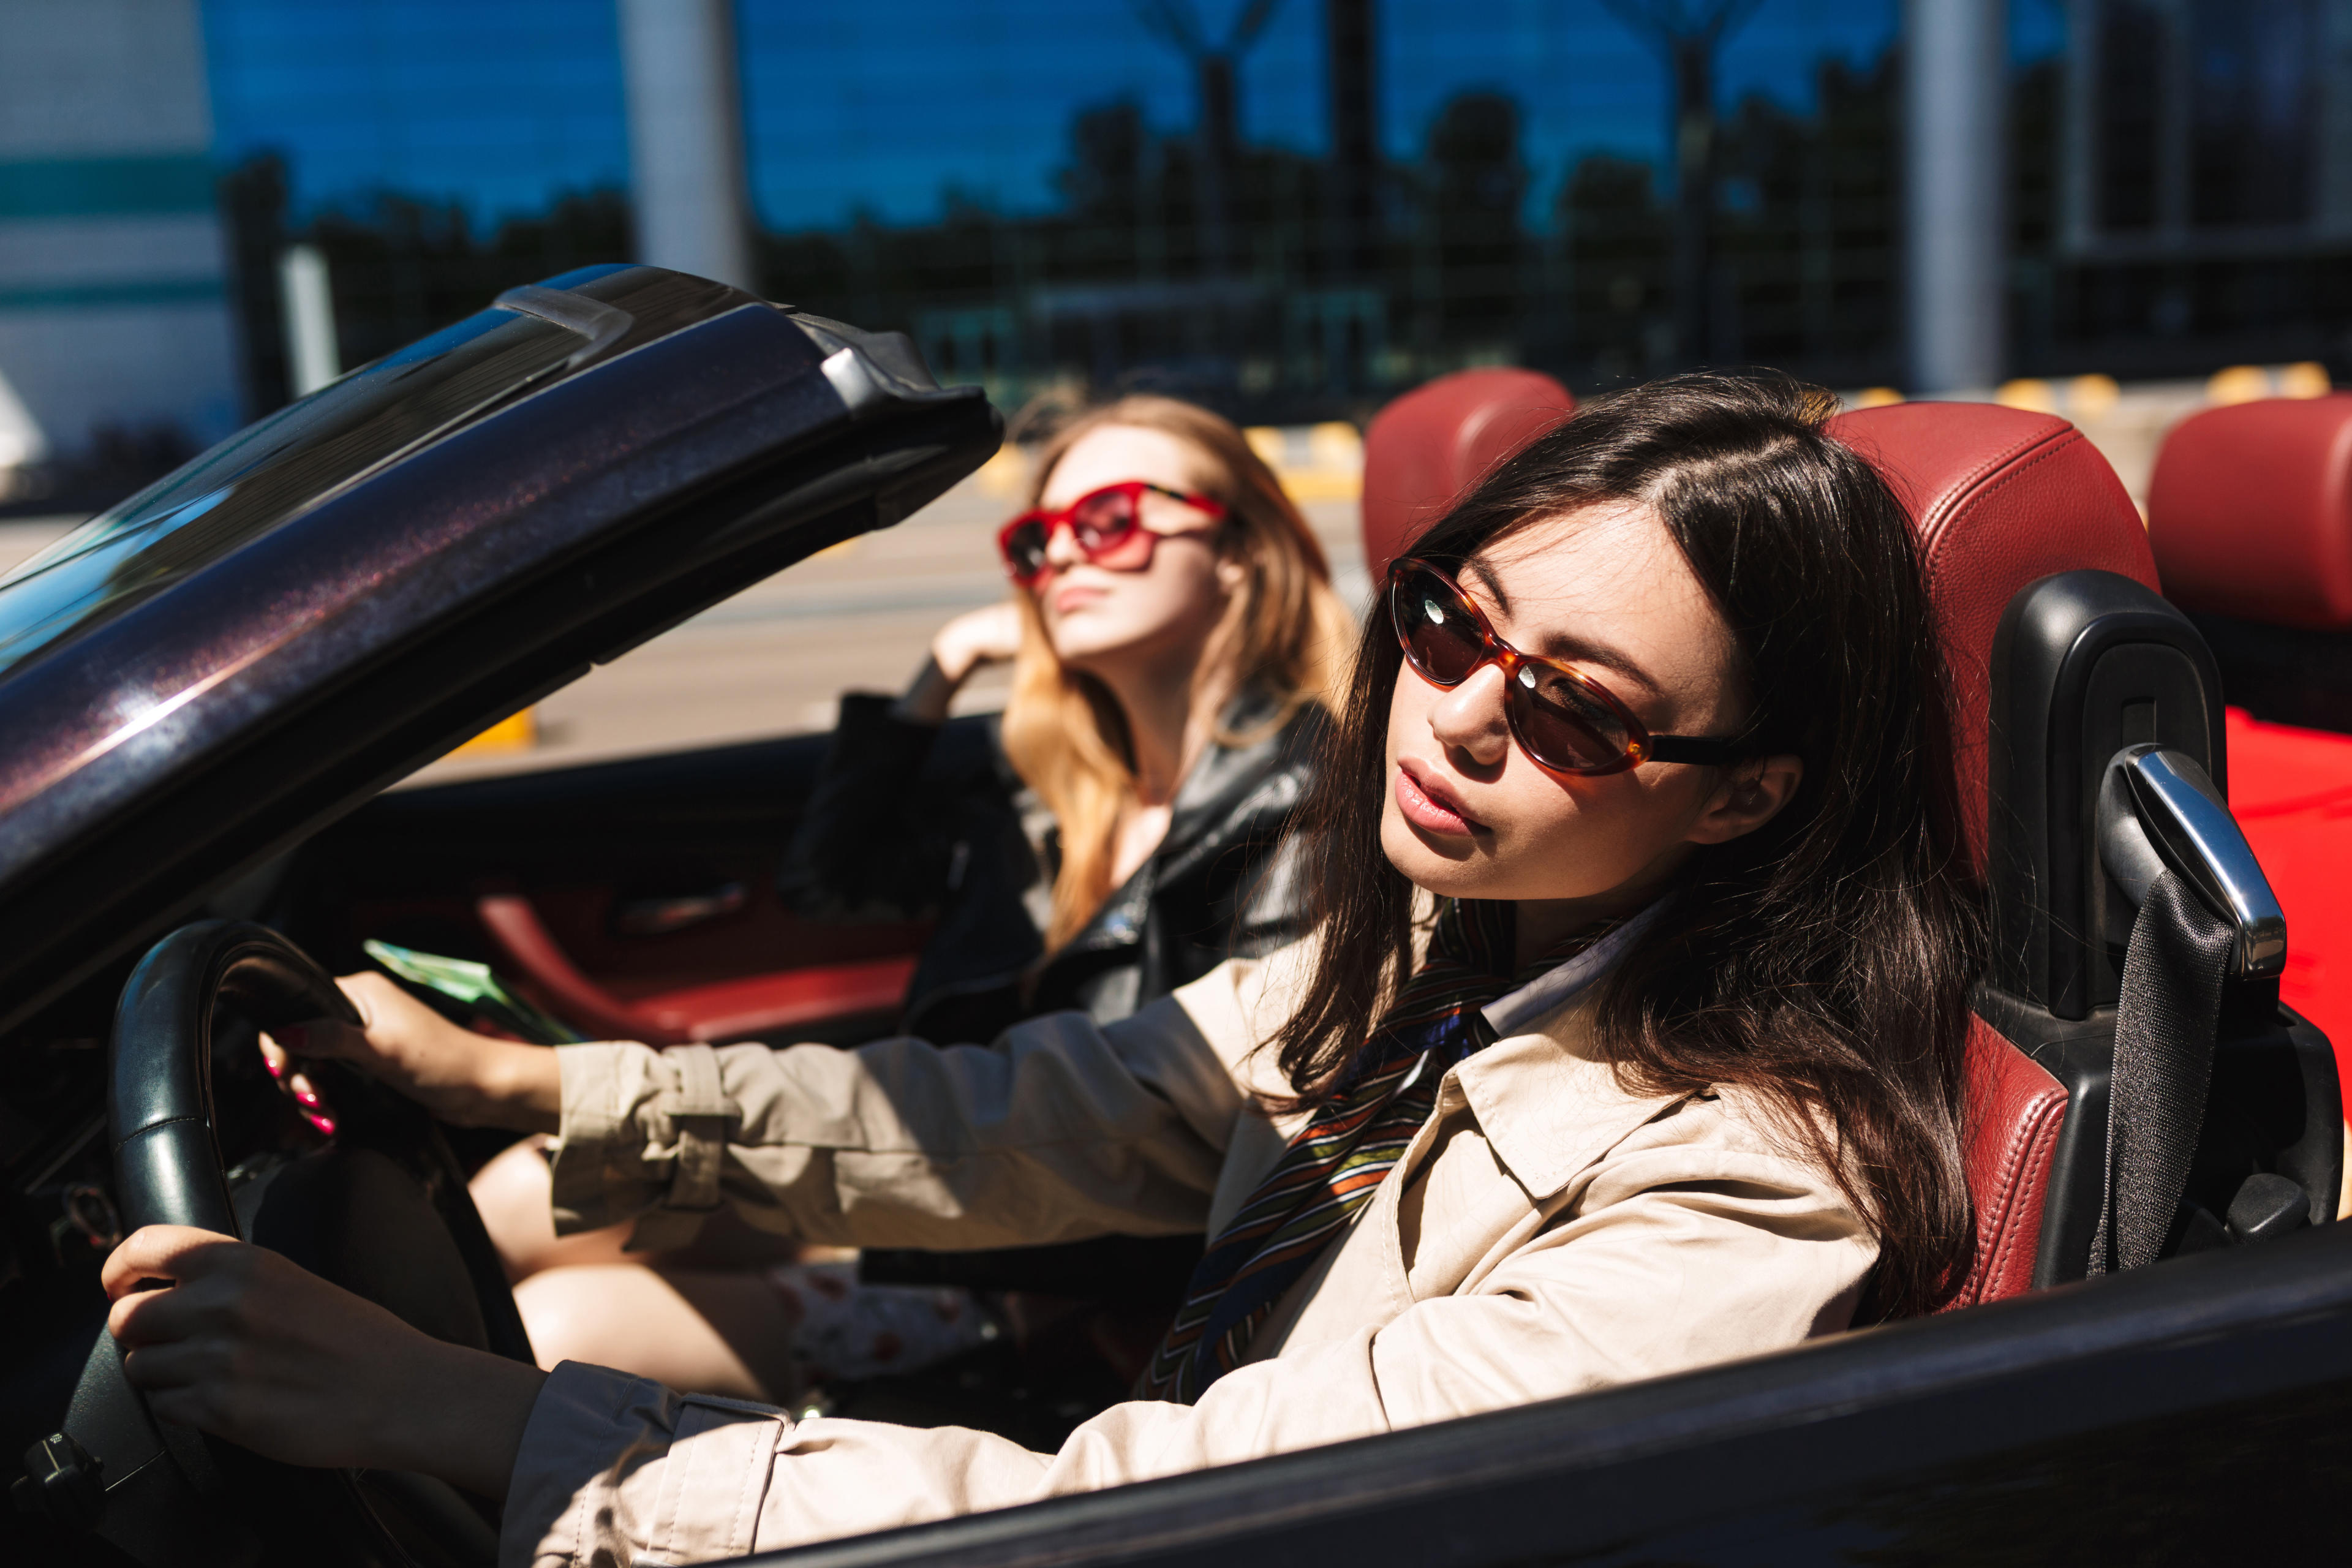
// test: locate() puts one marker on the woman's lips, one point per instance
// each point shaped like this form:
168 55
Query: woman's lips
1429 806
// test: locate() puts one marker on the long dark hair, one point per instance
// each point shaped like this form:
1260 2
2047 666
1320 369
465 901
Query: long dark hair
1823 961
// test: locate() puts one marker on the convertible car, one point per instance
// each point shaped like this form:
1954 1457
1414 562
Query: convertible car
207 691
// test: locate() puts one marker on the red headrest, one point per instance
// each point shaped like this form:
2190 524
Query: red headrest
2250 511
1426 449
2001 498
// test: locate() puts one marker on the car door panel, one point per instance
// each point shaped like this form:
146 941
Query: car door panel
2194 1412
650 884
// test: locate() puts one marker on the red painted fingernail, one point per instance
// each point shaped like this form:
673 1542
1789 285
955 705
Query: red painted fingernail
325 1124
303 1097
275 1071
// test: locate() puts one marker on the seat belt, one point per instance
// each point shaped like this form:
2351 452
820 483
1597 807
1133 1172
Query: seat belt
2166 1021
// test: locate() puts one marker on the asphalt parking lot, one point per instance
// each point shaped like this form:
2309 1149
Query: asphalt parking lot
775 659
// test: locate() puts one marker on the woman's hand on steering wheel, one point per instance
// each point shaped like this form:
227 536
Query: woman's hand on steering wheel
252 1348
469 1079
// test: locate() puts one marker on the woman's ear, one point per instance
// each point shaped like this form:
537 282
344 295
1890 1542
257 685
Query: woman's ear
1233 570
1747 796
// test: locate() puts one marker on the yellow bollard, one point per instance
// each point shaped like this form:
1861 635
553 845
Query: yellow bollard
515 732
2092 397
2238 383
2306 379
1335 445
1005 475
2026 393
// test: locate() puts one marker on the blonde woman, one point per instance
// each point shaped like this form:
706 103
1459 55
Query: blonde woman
1174 638
1174 635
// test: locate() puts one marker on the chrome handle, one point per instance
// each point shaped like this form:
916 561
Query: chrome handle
2158 810
659 917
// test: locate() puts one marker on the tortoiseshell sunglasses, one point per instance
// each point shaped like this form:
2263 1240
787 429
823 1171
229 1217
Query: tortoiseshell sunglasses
1568 724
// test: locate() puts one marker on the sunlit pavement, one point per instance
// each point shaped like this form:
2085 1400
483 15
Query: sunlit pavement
774 659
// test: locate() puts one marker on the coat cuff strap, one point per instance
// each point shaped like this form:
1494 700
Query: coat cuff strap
701 1119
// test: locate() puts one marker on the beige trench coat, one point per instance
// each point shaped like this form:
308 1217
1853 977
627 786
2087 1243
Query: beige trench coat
1545 1233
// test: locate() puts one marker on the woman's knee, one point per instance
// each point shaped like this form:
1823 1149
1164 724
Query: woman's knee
515 1195
705 1333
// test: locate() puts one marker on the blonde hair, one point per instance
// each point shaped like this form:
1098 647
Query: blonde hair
1286 633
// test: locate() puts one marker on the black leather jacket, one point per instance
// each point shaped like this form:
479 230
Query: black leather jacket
912 822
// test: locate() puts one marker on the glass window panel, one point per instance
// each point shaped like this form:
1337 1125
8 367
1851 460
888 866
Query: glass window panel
2130 75
2252 101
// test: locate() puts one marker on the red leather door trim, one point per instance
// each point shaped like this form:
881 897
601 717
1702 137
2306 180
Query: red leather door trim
725 1010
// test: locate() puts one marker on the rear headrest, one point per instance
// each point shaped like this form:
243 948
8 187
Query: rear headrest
2000 497
1425 451
2250 511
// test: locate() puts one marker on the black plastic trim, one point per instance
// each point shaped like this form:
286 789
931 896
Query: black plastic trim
1774 1447
2083 663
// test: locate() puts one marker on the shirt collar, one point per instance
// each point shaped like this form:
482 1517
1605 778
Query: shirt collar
1557 986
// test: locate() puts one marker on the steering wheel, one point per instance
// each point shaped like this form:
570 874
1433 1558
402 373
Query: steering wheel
382 1210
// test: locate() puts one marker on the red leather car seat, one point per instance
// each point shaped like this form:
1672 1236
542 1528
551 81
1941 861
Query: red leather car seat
2249 513
1999 499
1425 450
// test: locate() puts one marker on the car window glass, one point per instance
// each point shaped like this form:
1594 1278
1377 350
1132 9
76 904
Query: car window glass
271 471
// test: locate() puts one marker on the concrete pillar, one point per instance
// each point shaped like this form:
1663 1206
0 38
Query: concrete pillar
1350 33
2078 160
307 303
1956 180
686 138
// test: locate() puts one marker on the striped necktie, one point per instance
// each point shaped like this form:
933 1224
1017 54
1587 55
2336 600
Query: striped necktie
1348 1147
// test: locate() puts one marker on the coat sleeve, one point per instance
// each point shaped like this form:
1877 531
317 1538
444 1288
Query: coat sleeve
862 851
1060 1130
1671 1262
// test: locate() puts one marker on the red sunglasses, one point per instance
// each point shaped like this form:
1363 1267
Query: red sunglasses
1108 525
1567 722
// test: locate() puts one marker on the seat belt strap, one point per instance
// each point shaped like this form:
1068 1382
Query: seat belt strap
2166 1021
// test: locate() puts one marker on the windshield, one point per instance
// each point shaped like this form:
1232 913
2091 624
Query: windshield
272 471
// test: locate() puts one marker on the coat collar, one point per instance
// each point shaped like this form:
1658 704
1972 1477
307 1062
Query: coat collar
1228 781
1230 791
1547 1104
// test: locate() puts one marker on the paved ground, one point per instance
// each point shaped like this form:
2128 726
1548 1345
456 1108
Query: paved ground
773 660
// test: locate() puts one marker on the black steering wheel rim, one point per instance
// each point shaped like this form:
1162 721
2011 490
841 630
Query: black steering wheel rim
170 1169
160 1116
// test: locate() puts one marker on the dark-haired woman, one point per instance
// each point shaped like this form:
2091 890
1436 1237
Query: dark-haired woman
1628 1040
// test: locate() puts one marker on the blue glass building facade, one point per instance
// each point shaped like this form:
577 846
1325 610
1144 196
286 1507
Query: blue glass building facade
1046 192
